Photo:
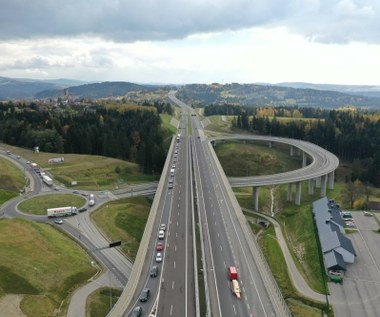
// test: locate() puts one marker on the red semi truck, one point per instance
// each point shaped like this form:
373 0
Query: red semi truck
232 273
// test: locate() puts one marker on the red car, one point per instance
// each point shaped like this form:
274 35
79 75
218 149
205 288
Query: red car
159 246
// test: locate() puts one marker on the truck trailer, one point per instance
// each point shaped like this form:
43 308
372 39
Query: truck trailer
62 211
235 288
47 180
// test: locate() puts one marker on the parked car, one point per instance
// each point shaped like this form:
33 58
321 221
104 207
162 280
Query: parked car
144 296
367 213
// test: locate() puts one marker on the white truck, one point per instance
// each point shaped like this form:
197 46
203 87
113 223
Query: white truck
47 180
62 211
91 202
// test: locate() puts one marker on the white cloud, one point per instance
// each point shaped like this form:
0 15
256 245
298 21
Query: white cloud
185 41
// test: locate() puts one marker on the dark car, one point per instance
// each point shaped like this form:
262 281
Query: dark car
136 312
82 209
144 295
154 271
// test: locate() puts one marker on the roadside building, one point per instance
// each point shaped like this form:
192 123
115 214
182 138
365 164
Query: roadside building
337 249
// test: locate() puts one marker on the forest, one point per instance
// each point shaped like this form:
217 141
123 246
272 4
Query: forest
351 134
130 132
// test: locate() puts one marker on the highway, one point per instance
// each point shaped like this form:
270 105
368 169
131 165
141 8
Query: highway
226 243
225 235
177 293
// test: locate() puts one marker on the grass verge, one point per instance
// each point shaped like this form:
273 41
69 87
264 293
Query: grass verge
298 305
11 178
100 302
253 159
90 172
124 220
38 205
41 263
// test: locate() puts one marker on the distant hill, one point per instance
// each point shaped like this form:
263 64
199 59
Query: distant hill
97 90
262 95
283 94
22 88
362 90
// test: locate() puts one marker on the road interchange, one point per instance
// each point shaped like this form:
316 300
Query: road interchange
228 222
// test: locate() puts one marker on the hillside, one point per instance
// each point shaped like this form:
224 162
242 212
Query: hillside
97 90
261 95
20 88
361 90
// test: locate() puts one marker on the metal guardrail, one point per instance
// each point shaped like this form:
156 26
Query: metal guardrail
279 303
126 298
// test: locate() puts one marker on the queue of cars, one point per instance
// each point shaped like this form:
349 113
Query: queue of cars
154 270
160 245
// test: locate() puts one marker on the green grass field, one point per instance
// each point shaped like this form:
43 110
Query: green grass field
11 178
41 263
124 220
219 125
91 172
38 205
253 159
98 304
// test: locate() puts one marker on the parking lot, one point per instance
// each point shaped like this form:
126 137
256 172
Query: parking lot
359 295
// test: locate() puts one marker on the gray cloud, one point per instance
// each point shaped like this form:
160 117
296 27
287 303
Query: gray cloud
131 20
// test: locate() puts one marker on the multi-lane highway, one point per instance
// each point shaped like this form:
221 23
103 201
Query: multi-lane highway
227 242
225 236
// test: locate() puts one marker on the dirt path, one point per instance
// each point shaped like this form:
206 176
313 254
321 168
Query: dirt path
10 306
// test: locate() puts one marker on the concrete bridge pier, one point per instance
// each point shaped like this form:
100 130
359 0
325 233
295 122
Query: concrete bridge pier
318 182
291 150
304 159
289 194
298 193
331 180
311 186
270 144
255 195
323 185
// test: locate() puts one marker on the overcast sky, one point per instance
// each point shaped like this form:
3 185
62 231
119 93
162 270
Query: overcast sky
192 41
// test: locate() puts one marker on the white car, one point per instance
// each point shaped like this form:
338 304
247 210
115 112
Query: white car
58 221
161 234
367 213
163 227
159 257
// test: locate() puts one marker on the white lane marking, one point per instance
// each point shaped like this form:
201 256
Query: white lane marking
171 310
174 264
175 248
233 306
173 284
